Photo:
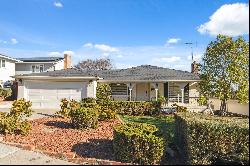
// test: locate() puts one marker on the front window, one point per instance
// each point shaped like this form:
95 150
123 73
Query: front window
37 68
3 63
119 89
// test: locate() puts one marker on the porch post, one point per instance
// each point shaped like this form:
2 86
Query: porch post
182 95
156 94
130 86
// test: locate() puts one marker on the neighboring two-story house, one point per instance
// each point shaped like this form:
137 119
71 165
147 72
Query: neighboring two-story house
7 68
10 67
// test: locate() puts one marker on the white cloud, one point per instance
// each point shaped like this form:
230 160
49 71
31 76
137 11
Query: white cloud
105 48
119 56
196 57
101 47
229 19
55 54
14 41
3 41
105 54
173 40
69 52
88 45
167 59
58 4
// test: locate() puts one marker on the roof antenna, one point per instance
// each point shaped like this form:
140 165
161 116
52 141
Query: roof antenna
190 43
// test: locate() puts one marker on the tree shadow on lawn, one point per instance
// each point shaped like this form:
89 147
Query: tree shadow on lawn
95 148
60 124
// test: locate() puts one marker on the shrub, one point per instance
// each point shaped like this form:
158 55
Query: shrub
14 121
106 114
136 143
202 100
135 108
25 127
208 139
84 117
179 108
103 93
21 108
5 92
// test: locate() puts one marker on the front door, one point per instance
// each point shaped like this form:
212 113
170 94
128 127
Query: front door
142 91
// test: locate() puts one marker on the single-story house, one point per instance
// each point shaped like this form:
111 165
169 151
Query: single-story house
141 83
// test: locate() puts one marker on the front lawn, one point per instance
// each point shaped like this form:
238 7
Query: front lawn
165 124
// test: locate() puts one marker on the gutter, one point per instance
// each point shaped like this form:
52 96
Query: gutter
54 78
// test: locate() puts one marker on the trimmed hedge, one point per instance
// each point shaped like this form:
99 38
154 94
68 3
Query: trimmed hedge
135 108
84 118
206 139
136 143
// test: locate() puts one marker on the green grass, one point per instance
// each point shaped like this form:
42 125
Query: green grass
165 124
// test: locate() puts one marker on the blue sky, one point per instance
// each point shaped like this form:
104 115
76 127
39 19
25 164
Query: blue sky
130 32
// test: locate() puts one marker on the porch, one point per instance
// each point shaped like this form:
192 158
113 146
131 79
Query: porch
183 93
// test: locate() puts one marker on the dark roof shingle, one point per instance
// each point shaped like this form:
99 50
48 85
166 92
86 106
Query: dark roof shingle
139 73
41 59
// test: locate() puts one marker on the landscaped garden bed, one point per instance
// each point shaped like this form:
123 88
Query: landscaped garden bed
57 136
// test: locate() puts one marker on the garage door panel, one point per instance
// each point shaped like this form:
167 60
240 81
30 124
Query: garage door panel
49 94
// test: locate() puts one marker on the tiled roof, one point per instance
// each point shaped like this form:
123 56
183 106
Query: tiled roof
41 59
139 73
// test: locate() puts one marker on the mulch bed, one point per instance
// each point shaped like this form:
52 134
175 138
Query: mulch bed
57 136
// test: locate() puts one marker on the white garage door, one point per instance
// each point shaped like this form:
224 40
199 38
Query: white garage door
49 94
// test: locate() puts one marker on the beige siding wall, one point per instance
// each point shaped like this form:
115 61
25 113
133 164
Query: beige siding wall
91 89
194 92
232 105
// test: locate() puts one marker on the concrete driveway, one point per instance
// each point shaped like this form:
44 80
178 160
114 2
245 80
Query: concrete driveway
38 113
10 155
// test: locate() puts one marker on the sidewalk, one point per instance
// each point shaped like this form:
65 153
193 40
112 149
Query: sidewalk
10 155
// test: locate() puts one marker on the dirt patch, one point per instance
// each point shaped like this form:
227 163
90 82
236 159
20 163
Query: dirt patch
56 135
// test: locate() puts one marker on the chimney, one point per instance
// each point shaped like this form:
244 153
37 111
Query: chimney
67 61
194 68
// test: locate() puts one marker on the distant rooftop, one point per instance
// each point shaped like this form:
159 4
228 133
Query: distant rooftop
41 59
8 57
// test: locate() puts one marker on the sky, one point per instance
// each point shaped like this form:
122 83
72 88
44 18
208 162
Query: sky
129 32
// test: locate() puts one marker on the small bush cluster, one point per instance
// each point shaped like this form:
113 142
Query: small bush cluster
15 122
137 143
5 92
179 108
135 108
84 118
206 139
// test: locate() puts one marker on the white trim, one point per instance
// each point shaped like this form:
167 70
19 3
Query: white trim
54 78
9 58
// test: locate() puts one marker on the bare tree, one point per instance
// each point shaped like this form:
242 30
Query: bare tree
98 64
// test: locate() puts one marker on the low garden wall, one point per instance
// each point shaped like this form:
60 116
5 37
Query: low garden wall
232 105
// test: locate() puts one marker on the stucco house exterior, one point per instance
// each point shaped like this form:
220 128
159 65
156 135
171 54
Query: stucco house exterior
7 67
141 83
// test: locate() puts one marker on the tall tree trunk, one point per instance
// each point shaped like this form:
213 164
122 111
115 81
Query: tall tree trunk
223 107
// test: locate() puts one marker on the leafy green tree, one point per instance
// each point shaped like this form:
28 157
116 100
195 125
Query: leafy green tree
103 94
224 70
